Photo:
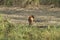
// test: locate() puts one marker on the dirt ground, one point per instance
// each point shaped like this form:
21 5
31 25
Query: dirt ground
43 15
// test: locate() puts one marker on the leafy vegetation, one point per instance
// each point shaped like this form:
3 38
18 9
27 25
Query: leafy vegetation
24 3
9 31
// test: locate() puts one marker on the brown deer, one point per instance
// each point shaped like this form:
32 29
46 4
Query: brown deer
31 19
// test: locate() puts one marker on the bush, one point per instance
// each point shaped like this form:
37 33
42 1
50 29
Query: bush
24 3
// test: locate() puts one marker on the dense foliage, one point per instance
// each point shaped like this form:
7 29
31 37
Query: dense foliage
24 3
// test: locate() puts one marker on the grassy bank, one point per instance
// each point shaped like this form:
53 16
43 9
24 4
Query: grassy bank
9 31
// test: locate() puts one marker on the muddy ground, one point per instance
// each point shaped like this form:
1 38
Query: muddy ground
43 16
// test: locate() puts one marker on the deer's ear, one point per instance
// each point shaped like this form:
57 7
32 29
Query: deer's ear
28 16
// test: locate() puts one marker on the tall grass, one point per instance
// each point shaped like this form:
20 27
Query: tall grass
9 31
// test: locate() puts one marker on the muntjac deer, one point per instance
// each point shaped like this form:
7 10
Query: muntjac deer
31 19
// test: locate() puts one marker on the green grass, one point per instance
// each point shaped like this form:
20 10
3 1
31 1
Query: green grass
9 31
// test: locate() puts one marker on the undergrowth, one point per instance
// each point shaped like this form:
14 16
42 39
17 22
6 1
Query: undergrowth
9 31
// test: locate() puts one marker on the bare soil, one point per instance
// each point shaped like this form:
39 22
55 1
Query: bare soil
43 15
